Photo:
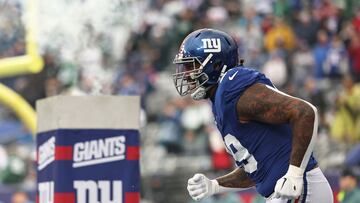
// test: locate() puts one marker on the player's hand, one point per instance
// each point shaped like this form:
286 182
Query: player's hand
201 187
290 185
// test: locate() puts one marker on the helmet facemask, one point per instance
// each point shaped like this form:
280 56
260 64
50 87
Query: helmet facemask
189 77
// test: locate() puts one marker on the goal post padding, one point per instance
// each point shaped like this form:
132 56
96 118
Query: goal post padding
88 149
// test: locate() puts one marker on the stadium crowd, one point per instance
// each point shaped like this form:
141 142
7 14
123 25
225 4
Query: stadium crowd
309 49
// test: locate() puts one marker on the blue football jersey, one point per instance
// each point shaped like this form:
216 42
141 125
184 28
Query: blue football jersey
262 149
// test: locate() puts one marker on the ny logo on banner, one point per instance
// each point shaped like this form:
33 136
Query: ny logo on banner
211 45
89 191
46 192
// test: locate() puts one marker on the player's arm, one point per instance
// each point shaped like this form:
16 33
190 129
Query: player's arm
236 179
265 104
200 187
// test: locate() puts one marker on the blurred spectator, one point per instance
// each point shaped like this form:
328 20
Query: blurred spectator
267 23
302 64
169 134
306 28
351 6
255 59
127 85
281 8
250 18
262 7
353 157
258 199
280 36
336 63
196 115
356 20
354 54
194 120
222 198
346 125
217 15
195 142
314 94
249 35
20 197
221 160
3 159
15 172
227 198
275 69
349 191
320 53
325 9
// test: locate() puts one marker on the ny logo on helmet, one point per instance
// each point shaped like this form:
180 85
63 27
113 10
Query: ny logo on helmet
211 45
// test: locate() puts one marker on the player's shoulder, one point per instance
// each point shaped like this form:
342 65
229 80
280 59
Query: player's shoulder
234 82
238 77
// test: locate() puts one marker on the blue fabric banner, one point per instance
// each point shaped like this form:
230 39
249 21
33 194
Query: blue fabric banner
88 166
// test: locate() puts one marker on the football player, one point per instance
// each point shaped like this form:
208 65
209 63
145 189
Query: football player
270 134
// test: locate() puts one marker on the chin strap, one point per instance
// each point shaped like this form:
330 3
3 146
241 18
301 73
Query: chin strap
200 93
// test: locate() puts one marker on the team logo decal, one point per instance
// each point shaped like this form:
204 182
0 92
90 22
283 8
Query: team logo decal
46 153
211 45
99 151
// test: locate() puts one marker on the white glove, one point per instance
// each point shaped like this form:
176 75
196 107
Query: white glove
201 187
290 185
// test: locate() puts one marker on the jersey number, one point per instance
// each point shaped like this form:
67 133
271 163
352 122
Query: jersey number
240 154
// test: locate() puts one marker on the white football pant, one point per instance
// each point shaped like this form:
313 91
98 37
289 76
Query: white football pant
316 189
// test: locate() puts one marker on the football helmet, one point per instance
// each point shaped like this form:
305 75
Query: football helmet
204 56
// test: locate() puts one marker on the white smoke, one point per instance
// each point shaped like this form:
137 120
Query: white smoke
79 31
66 24
73 27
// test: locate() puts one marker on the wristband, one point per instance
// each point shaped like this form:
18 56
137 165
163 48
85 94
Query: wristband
295 171
216 188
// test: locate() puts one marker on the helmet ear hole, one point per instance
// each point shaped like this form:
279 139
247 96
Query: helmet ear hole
217 66
203 78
